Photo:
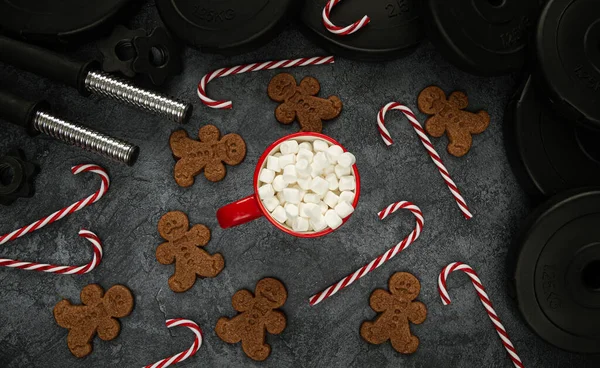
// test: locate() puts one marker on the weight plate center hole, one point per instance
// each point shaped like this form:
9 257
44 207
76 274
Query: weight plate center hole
496 3
159 56
125 50
591 275
7 175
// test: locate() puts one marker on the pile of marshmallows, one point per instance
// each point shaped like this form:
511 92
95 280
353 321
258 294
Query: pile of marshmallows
308 186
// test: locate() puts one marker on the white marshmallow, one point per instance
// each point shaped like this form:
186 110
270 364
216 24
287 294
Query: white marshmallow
312 198
318 224
304 154
320 161
278 183
300 224
347 196
266 191
302 193
333 181
323 207
347 183
288 147
266 176
286 160
291 195
342 171
280 197
279 214
331 199
289 174
332 219
271 203
273 164
291 211
304 183
333 153
320 145
303 168
305 145
346 159
277 154
344 209
319 185
315 170
329 170
309 210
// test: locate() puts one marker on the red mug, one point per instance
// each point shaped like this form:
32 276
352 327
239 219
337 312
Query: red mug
251 208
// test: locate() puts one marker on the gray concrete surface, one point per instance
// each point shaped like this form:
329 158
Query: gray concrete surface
459 335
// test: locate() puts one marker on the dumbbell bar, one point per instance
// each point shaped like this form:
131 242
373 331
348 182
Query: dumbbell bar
36 118
87 80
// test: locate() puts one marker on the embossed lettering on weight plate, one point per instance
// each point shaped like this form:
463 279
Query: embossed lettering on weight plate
213 16
549 287
587 78
396 8
515 35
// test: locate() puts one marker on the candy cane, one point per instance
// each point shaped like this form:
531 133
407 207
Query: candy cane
67 210
348 280
385 135
255 67
63 270
341 31
184 354
485 300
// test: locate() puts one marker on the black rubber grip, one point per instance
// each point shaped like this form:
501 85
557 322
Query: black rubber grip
19 111
44 62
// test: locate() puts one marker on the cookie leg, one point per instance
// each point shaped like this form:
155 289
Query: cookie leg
403 341
227 331
460 142
183 279
373 333
79 341
254 345
211 266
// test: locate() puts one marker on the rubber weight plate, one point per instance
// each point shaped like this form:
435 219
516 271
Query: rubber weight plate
224 26
547 154
568 54
557 274
482 37
395 29
61 22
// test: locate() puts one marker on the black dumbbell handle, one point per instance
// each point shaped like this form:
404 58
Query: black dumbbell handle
45 63
19 111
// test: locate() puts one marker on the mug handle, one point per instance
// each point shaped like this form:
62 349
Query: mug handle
239 212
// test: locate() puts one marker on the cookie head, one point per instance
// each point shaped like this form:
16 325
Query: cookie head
235 149
272 292
118 301
282 87
432 100
405 285
173 225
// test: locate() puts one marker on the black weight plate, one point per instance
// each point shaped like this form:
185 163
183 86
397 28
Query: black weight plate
568 55
557 274
224 26
61 22
482 37
395 29
547 154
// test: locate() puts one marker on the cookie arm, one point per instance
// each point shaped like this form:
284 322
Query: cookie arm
62 311
200 234
380 300
242 300
179 142
332 109
417 313
481 124
164 254
276 322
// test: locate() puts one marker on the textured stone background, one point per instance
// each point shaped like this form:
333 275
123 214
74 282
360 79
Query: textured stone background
459 335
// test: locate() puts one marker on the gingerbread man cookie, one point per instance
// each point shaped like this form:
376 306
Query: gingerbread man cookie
258 313
208 154
300 102
98 314
182 248
397 308
449 117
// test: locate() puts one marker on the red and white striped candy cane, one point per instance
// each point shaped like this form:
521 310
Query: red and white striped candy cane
63 270
184 354
385 135
348 280
485 300
255 67
341 31
67 210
